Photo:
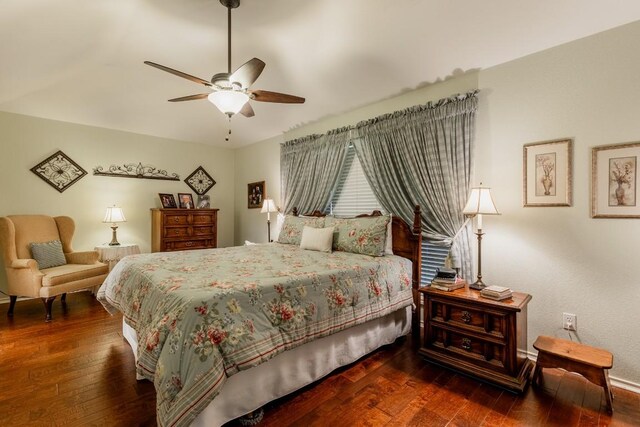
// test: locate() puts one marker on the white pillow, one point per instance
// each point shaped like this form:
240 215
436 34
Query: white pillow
388 246
317 239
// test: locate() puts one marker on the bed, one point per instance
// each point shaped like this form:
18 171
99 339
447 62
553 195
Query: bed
221 332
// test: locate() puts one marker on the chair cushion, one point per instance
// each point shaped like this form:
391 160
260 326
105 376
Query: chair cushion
71 272
48 254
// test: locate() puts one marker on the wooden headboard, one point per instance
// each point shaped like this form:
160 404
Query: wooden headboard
407 243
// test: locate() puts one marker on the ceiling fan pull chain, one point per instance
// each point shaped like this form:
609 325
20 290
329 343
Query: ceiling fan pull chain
229 134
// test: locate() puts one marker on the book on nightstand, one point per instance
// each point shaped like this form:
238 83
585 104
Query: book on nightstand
497 293
448 285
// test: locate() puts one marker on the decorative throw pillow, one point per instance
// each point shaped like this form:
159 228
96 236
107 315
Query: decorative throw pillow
48 254
317 239
291 231
360 235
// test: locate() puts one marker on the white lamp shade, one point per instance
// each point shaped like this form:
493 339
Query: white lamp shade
269 206
480 202
114 214
228 101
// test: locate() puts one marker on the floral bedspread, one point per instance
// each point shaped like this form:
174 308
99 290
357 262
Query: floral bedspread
204 315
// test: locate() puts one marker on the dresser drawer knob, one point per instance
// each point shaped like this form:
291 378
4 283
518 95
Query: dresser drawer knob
189 243
176 219
466 317
466 344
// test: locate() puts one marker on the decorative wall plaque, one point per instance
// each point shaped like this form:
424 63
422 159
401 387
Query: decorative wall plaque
59 171
200 181
132 170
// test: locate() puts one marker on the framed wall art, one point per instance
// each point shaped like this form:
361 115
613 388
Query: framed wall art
59 171
614 181
547 173
255 194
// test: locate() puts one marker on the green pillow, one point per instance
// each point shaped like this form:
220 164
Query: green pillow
365 235
291 231
48 254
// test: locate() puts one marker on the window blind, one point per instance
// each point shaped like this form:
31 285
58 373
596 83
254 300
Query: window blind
353 196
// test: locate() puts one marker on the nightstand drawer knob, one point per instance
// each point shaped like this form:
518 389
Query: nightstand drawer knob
466 344
466 317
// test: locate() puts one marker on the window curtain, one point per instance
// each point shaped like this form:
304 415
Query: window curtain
423 155
309 169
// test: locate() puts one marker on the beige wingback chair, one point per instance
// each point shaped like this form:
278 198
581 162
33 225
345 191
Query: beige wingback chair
82 271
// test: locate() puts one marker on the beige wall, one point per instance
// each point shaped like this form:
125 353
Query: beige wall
25 141
587 90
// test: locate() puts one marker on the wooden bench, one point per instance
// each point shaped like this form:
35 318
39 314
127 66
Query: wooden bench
590 362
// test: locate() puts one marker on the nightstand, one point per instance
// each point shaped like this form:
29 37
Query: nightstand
477 336
113 254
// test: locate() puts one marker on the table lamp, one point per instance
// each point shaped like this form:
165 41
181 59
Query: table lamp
479 203
267 207
114 215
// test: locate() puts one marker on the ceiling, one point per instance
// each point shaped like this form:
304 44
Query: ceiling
81 61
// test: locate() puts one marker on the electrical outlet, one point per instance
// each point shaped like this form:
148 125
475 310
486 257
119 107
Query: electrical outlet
569 321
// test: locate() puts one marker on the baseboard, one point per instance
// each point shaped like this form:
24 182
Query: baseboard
616 382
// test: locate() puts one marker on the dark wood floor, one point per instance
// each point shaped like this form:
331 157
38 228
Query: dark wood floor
78 371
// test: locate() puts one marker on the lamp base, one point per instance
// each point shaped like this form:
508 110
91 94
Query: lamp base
114 240
478 285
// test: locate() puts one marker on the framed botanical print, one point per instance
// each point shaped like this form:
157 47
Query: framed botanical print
547 173
255 194
614 181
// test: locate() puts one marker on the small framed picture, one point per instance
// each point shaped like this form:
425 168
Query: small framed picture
255 196
185 201
204 202
614 181
547 173
168 201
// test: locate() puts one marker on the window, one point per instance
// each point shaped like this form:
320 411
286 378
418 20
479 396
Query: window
353 196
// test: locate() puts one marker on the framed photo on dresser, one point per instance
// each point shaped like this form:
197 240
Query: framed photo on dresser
167 200
185 201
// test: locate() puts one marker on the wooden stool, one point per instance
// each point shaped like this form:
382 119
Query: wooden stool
590 362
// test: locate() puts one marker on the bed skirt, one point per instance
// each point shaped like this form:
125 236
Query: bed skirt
295 368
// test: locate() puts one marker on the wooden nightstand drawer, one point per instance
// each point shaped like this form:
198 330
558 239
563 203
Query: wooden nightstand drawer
490 354
468 318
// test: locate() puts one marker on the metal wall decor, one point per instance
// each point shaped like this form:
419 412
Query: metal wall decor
59 171
200 181
132 170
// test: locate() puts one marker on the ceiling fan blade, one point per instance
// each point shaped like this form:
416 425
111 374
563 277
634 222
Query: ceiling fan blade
190 97
266 96
248 72
247 110
179 73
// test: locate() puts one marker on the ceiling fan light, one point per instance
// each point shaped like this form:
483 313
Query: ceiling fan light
228 101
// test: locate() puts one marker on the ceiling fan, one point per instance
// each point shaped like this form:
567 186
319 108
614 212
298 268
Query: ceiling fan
230 91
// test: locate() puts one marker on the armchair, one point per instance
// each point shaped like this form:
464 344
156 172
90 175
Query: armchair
81 271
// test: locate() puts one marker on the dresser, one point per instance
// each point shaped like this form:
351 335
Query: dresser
478 336
182 229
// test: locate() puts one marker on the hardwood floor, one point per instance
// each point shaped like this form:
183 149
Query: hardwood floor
77 370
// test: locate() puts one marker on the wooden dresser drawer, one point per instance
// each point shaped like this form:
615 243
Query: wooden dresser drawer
183 229
176 219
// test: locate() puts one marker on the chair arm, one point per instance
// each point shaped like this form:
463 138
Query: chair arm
24 263
88 257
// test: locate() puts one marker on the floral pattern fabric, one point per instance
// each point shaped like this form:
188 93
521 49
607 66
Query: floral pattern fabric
365 235
291 231
201 316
